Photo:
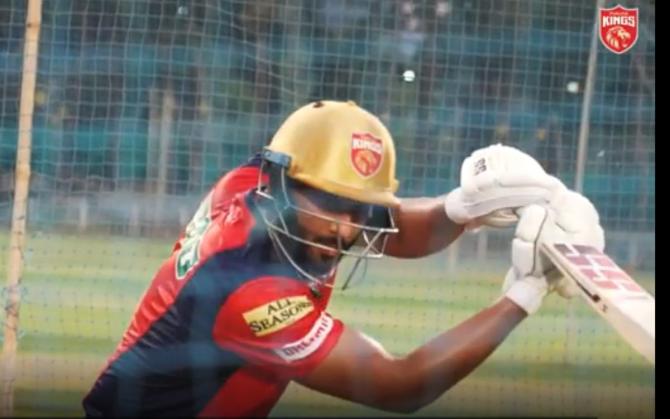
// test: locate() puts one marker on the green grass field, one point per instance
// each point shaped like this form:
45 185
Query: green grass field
79 294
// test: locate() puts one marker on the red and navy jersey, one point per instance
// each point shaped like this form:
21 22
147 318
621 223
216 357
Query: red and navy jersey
223 327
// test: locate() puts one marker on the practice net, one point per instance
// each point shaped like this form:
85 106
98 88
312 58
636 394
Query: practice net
141 105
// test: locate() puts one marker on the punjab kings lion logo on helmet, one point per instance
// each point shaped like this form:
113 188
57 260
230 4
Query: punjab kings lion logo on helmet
366 154
618 28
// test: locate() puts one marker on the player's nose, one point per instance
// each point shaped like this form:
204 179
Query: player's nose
344 228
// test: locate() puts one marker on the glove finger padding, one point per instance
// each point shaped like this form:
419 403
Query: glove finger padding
576 221
525 252
570 218
502 218
500 165
525 283
498 178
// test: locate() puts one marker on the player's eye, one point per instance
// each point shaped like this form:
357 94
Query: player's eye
362 213
331 203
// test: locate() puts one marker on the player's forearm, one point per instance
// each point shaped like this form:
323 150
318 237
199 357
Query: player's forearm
360 370
441 363
424 228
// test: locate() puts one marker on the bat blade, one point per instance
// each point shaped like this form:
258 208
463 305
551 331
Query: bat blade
611 292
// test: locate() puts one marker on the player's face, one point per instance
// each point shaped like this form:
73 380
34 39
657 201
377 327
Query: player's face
331 228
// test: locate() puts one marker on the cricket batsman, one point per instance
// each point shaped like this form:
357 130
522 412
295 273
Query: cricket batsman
240 308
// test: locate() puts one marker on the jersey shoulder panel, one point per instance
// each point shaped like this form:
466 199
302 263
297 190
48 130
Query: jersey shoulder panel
277 322
269 311
239 180
207 236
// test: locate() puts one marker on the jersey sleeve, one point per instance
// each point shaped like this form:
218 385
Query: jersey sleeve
238 180
278 325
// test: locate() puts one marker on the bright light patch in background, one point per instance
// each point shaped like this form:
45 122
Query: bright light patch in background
572 87
408 76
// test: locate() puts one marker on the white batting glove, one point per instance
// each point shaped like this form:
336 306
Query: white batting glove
570 218
526 283
495 180
576 221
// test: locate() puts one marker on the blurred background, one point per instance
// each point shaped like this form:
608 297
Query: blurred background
141 105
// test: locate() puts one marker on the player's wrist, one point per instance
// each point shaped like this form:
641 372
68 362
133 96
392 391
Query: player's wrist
457 211
455 208
527 292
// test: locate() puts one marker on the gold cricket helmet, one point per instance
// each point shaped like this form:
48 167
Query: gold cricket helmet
340 148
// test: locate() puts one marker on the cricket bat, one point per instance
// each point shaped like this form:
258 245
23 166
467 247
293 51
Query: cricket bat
610 291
